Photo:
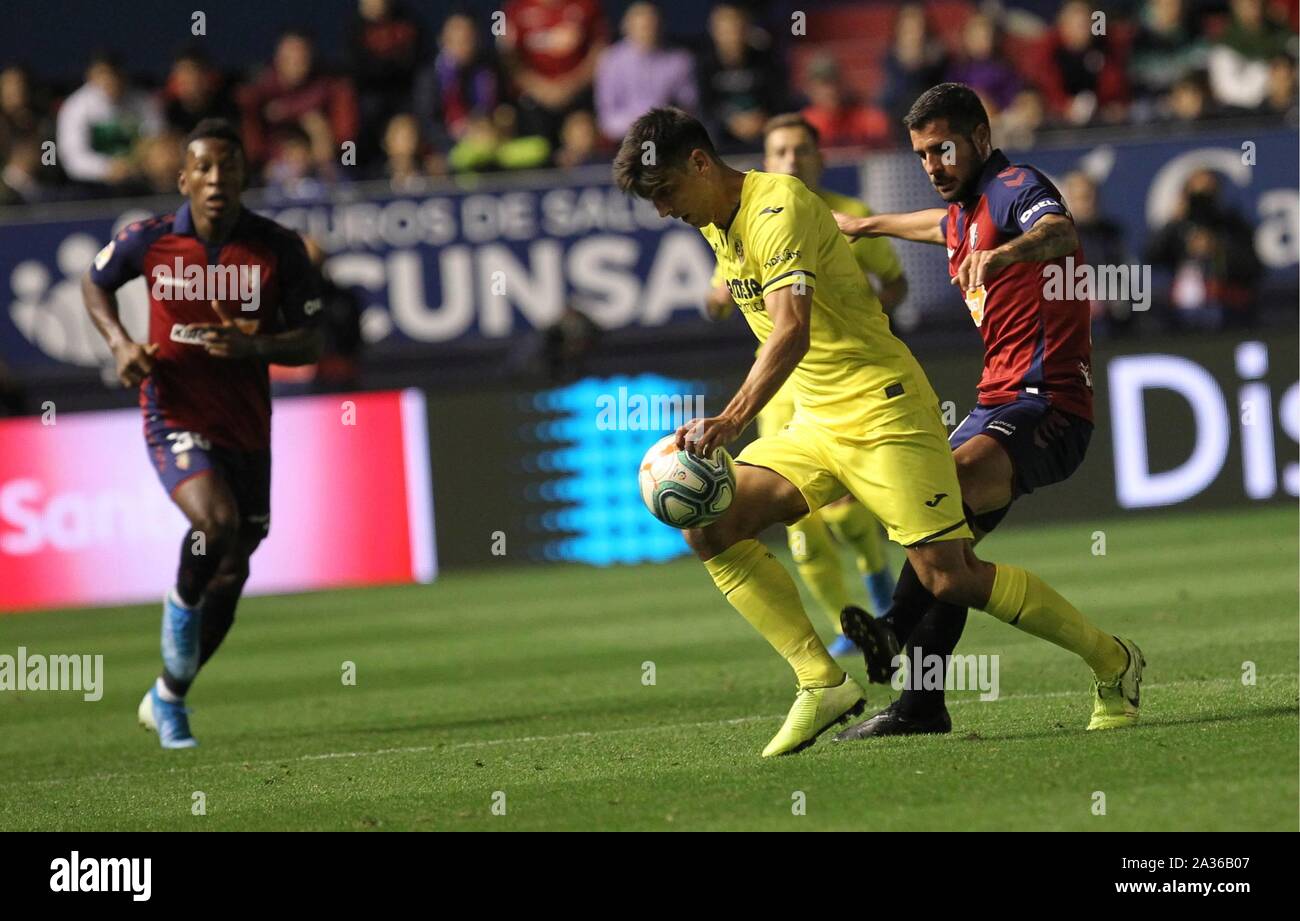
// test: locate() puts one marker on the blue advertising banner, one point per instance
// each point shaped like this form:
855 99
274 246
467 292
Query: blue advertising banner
503 257
458 266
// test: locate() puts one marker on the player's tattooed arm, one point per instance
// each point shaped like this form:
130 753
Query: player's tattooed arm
791 314
134 360
918 226
1052 237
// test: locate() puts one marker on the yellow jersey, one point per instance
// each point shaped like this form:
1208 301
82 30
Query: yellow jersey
875 255
855 368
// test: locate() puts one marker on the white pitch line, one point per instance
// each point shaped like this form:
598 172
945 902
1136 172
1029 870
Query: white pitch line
567 736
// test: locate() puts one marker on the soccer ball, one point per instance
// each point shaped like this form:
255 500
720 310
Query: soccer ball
685 491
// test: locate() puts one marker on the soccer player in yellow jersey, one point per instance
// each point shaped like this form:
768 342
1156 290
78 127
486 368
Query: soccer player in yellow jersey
867 422
790 148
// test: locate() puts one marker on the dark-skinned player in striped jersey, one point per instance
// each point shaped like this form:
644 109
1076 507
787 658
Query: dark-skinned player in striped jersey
229 293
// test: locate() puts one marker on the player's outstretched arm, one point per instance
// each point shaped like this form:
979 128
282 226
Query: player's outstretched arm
785 347
133 359
918 226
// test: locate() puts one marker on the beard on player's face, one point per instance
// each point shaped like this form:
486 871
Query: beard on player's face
955 183
960 158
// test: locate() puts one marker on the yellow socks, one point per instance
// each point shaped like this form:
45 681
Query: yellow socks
817 558
759 588
1025 601
857 528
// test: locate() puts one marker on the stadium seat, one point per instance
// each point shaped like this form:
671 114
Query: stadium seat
861 21
947 18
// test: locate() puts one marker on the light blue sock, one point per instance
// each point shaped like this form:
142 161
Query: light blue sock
880 587
165 693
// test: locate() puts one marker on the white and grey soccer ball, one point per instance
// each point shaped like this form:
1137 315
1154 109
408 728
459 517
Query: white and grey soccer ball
685 491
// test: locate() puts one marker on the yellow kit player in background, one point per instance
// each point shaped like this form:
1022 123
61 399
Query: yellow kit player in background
867 422
790 148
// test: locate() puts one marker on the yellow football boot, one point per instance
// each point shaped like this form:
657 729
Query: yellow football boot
1116 702
815 710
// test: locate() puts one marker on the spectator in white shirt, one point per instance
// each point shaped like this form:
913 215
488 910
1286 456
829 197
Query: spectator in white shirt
1241 55
100 123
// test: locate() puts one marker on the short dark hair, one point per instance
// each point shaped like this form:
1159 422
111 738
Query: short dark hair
296 31
105 57
791 120
668 135
193 54
218 129
955 102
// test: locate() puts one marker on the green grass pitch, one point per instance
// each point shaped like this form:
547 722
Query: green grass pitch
528 682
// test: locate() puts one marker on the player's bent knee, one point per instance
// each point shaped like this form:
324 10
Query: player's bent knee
949 588
708 542
219 528
935 580
945 577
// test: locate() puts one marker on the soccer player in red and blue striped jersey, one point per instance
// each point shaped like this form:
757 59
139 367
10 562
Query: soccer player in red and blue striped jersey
229 293
1005 226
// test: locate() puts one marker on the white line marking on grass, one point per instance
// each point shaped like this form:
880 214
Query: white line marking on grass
561 737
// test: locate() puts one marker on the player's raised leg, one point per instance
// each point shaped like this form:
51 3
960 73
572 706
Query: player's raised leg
954 575
757 586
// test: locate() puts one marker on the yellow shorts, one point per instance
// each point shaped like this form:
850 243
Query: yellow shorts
902 472
778 411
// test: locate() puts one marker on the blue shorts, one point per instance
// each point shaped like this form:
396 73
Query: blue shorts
179 455
1046 445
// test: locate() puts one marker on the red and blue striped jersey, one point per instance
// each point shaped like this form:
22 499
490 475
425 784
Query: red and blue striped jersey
227 400
1031 344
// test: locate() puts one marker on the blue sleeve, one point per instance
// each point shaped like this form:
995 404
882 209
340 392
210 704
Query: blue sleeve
122 259
1019 196
300 292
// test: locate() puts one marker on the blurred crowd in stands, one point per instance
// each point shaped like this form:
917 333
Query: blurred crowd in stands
555 83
